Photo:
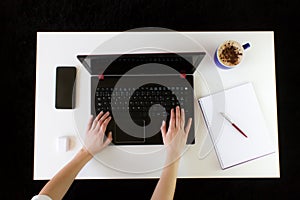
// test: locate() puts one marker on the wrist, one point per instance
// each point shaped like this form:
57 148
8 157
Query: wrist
174 154
172 158
85 153
171 164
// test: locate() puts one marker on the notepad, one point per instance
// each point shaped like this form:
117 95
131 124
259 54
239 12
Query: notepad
241 104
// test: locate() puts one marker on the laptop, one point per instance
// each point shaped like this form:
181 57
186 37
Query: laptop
139 90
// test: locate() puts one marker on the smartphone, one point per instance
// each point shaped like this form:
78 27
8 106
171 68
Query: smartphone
65 87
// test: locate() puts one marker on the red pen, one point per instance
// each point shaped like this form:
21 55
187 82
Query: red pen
233 124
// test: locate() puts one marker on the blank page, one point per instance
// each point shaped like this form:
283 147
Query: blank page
242 107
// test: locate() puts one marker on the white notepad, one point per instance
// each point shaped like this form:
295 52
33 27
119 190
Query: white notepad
241 105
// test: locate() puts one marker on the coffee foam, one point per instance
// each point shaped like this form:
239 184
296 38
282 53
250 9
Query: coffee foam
230 53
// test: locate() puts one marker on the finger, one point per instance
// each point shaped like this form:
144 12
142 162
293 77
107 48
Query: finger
89 126
104 124
182 118
103 118
97 127
177 117
163 129
172 119
97 119
108 139
188 126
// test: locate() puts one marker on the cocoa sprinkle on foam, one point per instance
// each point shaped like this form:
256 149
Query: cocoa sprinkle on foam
230 55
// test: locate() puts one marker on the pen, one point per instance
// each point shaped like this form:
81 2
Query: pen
233 124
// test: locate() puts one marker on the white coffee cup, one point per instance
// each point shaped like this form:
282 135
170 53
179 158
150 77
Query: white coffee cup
230 54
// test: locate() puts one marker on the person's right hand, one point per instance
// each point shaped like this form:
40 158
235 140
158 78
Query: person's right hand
176 136
95 133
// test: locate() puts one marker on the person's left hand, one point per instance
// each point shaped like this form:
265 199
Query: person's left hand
94 138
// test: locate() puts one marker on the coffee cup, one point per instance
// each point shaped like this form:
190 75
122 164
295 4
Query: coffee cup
230 54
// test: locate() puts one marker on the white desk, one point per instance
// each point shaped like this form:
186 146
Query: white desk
60 49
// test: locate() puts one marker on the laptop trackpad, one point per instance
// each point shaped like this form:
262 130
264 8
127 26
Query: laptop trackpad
120 137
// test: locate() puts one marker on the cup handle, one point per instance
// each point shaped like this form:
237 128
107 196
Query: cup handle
246 46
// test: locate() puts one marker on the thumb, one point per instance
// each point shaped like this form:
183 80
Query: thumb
163 128
108 139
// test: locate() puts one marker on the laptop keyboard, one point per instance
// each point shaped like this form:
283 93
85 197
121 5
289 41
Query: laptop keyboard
141 99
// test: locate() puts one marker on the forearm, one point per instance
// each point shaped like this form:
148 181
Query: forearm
60 183
165 187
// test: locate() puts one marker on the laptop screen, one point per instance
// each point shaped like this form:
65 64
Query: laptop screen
116 64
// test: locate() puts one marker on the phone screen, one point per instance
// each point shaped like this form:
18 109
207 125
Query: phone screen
65 87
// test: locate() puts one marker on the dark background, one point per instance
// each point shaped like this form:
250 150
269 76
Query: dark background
20 20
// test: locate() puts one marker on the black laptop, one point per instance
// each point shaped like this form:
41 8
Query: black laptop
139 90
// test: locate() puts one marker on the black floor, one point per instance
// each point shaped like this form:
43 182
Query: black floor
22 19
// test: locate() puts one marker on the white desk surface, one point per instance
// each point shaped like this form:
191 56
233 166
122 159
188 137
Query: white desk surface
60 49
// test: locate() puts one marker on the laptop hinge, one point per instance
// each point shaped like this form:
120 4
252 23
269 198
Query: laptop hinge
101 77
182 74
